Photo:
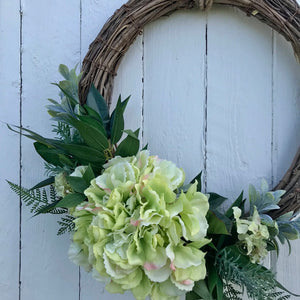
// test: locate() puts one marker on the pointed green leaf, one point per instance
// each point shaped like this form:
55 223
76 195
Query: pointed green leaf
92 136
97 103
117 125
216 225
130 145
88 175
238 202
85 153
43 183
93 122
50 155
215 200
77 184
198 178
123 106
71 200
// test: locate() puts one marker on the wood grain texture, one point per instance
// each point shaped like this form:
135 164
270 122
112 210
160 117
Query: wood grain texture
286 137
236 91
174 91
50 37
239 102
9 149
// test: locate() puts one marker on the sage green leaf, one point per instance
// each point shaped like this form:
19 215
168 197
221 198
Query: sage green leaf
91 112
71 200
64 71
43 183
130 145
117 124
78 185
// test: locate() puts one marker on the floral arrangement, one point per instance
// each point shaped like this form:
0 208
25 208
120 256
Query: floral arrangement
134 223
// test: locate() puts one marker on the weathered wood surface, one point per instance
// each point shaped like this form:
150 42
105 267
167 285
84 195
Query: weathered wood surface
216 91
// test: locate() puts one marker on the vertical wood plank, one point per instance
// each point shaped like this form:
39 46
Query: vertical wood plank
175 89
9 150
239 102
128 82
51 35
286 142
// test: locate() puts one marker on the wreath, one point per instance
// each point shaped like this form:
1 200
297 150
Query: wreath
135 224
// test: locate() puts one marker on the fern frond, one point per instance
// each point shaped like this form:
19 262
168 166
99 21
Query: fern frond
66 224
231 293
33 198
259 282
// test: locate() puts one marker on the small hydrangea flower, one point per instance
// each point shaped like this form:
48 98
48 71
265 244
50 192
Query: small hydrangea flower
61 185
252 234
132 232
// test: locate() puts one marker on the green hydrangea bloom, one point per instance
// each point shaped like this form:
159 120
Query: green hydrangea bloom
132 232
252 234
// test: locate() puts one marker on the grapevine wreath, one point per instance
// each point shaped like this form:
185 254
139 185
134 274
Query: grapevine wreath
135 224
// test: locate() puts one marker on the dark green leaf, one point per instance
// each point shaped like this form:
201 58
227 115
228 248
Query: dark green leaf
201 289
117 124
198 178
71 200
92 136
88 175
123 106
192 296
77 184
43 183
93 122
216 225
50 155
145 147
238 202
129 146
85 153
215 200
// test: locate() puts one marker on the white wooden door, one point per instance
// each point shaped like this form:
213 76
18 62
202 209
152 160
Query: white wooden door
216 91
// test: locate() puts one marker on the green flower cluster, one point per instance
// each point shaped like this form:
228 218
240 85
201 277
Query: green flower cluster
135 233
252 234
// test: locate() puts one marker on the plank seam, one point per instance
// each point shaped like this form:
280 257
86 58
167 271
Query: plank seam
205 103
20 140
273 255
143 90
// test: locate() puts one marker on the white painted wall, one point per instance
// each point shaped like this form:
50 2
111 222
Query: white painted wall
234 112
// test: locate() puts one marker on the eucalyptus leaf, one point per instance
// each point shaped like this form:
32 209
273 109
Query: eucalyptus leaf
97 103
